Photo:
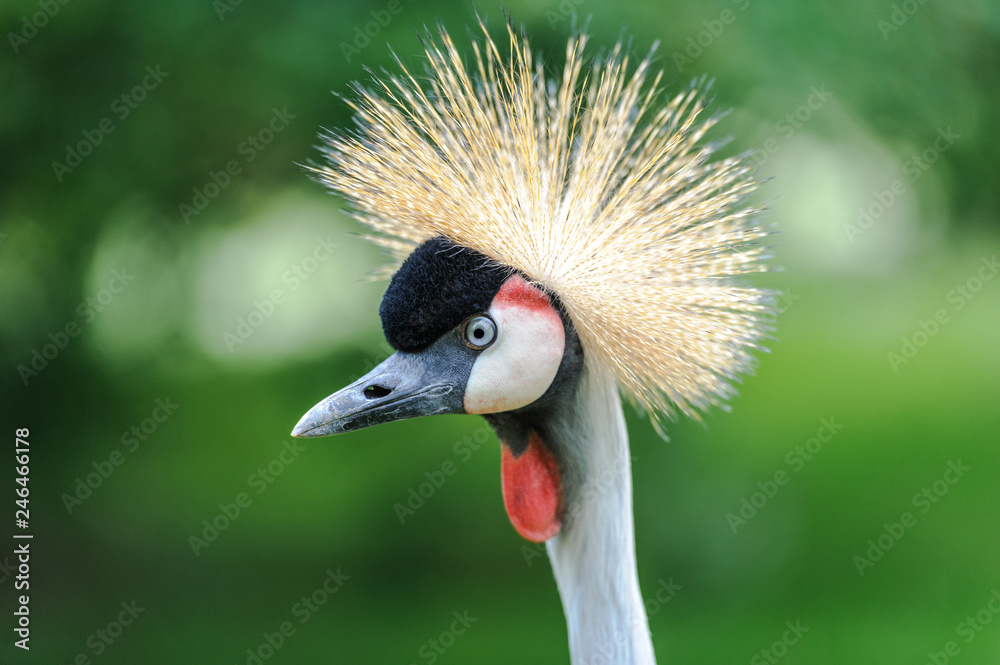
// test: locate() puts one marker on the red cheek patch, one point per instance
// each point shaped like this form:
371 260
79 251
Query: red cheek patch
516 291
532 490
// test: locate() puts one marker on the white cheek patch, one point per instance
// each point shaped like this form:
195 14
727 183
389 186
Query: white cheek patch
520 366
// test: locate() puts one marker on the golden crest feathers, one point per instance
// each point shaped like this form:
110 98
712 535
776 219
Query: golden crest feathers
586 185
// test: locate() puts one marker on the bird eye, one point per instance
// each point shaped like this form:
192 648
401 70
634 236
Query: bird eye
480 331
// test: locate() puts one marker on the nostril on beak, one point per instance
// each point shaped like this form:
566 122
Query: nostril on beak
375 391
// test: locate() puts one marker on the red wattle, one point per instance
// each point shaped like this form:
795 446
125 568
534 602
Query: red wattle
532 490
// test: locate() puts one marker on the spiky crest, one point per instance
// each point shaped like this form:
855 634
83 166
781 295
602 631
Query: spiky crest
586 185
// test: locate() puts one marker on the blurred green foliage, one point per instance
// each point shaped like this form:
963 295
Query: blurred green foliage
895 77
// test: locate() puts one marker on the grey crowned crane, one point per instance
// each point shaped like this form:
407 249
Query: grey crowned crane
565 240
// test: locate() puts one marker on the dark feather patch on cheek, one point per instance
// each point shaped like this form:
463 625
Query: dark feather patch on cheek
438 286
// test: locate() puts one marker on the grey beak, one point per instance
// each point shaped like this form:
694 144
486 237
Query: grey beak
406 385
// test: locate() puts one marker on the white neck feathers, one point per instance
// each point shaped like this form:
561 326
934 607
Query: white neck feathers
594 556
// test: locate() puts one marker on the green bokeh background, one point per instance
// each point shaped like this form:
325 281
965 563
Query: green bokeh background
898 75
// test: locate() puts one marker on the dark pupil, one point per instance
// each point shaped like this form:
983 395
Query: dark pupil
478 333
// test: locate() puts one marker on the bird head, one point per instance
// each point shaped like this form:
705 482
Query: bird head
471 336
551 228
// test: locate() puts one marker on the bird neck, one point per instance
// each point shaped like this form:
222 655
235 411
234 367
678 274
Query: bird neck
593 557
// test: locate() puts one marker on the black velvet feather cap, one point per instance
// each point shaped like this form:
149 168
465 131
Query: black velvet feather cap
438 286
